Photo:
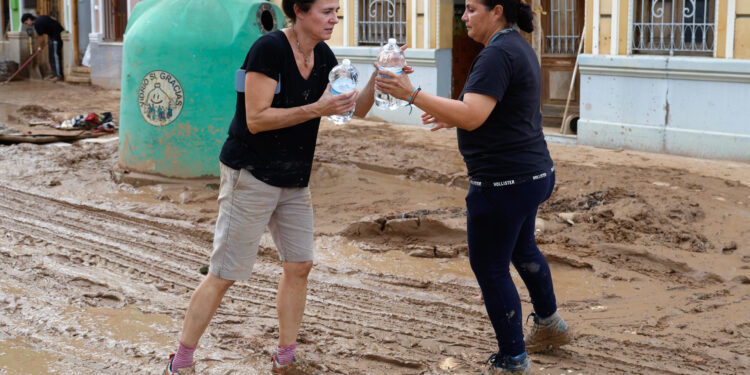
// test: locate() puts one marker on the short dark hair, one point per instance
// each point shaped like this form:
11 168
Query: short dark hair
288 7
27 16
515 12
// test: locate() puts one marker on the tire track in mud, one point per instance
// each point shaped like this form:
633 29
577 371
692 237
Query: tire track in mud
113 247
95 234
393 326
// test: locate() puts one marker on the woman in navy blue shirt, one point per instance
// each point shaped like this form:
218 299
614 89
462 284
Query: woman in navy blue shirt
511 173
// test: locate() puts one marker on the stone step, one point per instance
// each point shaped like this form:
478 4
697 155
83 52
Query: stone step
81 69
78 78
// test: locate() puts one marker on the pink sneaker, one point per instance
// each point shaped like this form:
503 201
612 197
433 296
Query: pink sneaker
183 371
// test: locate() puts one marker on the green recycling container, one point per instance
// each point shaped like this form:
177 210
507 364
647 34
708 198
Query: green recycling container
178 80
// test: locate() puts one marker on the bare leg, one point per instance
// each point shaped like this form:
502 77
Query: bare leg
290 300
203 305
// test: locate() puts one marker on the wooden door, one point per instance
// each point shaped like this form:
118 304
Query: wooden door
562 24
465 50
120 18
52 8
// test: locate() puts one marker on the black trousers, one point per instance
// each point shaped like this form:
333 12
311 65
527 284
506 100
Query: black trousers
500 230
55 56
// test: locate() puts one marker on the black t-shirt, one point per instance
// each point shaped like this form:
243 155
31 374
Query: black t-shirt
48 25
510 143
281 157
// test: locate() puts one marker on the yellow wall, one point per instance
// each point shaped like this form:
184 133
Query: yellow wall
742 38
721 30
420 24
622 48
433 24
605 26
605 35
742 30
337 38
277 2
352 23
446 24
589 16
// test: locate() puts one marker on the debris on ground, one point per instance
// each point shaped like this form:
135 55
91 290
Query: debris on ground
96 122
33 123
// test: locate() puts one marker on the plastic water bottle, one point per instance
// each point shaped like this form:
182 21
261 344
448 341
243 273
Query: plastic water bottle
390 58
343 78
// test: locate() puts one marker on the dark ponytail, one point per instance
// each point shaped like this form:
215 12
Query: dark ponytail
515 11
525 20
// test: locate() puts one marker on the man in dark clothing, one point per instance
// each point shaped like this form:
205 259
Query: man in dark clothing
48 28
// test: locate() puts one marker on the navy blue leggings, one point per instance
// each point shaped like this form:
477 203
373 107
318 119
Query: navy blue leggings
501 230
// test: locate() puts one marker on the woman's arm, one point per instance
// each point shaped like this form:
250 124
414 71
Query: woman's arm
261 117
468 114
366 97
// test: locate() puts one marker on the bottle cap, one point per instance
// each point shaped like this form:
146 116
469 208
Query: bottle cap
346 62
391 40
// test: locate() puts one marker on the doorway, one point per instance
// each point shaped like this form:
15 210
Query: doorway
465 50
83 26
4 19
562 24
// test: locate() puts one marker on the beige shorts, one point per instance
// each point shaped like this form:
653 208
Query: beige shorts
246 206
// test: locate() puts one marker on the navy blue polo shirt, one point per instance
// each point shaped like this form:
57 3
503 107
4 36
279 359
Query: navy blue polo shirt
510 143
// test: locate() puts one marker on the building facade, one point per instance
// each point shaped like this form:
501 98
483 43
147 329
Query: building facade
439 48
669 76
655 75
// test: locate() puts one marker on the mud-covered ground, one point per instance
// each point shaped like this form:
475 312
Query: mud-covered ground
649 257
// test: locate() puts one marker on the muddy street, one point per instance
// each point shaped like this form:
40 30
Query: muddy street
648 252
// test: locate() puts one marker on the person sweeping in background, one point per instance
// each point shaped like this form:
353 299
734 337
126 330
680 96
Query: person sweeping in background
511 174
49 32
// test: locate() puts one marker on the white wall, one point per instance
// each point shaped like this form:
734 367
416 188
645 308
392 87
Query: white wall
680 105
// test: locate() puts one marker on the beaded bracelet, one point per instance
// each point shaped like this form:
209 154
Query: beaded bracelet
414 94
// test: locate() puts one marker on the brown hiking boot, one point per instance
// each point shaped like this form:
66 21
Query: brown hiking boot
547 333
183 371
297 367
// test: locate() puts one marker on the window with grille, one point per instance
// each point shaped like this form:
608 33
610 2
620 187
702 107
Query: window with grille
672 27
562 28
379 20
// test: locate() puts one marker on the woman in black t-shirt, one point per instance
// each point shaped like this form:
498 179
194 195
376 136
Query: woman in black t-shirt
265 169
511 174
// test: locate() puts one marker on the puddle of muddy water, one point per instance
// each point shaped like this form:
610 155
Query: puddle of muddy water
128 324
19 357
